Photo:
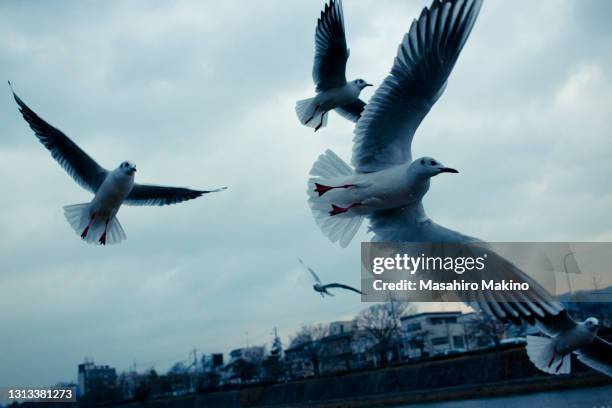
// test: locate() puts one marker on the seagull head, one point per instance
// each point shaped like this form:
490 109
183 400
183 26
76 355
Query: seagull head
591 323
127 167
430 167
360 83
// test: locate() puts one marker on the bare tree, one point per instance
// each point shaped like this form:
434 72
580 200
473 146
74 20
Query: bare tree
308 337
382 322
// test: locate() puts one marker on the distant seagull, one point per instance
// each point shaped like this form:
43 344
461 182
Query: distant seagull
387 185
96 221
552 354
328 73
322 289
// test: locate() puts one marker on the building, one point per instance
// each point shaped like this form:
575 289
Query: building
97 383
244 365
433 333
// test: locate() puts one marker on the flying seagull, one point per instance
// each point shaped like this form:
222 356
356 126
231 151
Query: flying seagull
387 187
386 180
565 336
321 288
96 221
328 73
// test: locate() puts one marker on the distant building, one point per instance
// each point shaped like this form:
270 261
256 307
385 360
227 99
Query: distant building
97 383
341 327
433 333
244 365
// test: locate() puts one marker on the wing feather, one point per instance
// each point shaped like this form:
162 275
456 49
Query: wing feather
352 111
331 52
424 60
82 168
341 286
143 194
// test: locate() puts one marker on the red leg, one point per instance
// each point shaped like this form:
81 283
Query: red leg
552 360
86 230
315 111
103 237
340 210
560 364
321 189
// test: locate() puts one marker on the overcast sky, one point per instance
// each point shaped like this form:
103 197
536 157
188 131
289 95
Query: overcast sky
202 94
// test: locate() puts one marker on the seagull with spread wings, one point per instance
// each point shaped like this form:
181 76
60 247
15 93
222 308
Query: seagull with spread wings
328 73
321 288
387 187
96 221
386 180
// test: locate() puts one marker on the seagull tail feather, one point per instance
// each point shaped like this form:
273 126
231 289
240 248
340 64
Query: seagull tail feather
329 171
309 115
91 229
541 352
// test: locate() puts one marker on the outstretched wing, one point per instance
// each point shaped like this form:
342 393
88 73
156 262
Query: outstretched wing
331 52
554 325
410 224
424 60
598 355
82 168
312 272
341 286
352 111
158 195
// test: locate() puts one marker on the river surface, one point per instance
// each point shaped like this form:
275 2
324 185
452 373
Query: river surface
599 397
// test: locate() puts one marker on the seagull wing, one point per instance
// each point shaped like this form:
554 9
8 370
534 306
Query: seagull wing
341 286
598 355
142 194
352 111
82 168
312 272
552 326
331 52
410 224
424 60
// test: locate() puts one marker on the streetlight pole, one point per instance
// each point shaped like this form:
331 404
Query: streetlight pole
569 283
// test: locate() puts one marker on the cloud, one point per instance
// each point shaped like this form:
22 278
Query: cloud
201 94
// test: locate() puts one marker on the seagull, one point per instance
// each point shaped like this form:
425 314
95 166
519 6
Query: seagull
96 222
386 180
564 336
387 187
321 288
328 73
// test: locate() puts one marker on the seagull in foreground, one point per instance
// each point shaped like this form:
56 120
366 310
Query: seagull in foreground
96 221
322 289
386 180
328 73
388 188
565 336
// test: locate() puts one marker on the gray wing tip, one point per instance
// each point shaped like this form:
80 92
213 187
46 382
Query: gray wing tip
214 191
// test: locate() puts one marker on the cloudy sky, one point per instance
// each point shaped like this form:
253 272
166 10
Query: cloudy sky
201 94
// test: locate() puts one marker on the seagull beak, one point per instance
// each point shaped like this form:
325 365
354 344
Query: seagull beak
448 170
368 85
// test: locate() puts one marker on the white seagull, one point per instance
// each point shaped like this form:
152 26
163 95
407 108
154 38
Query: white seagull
386 181
96 221
387 186
564 336
321 288
328 73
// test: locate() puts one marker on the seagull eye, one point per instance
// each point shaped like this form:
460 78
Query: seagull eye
433 163
422 161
